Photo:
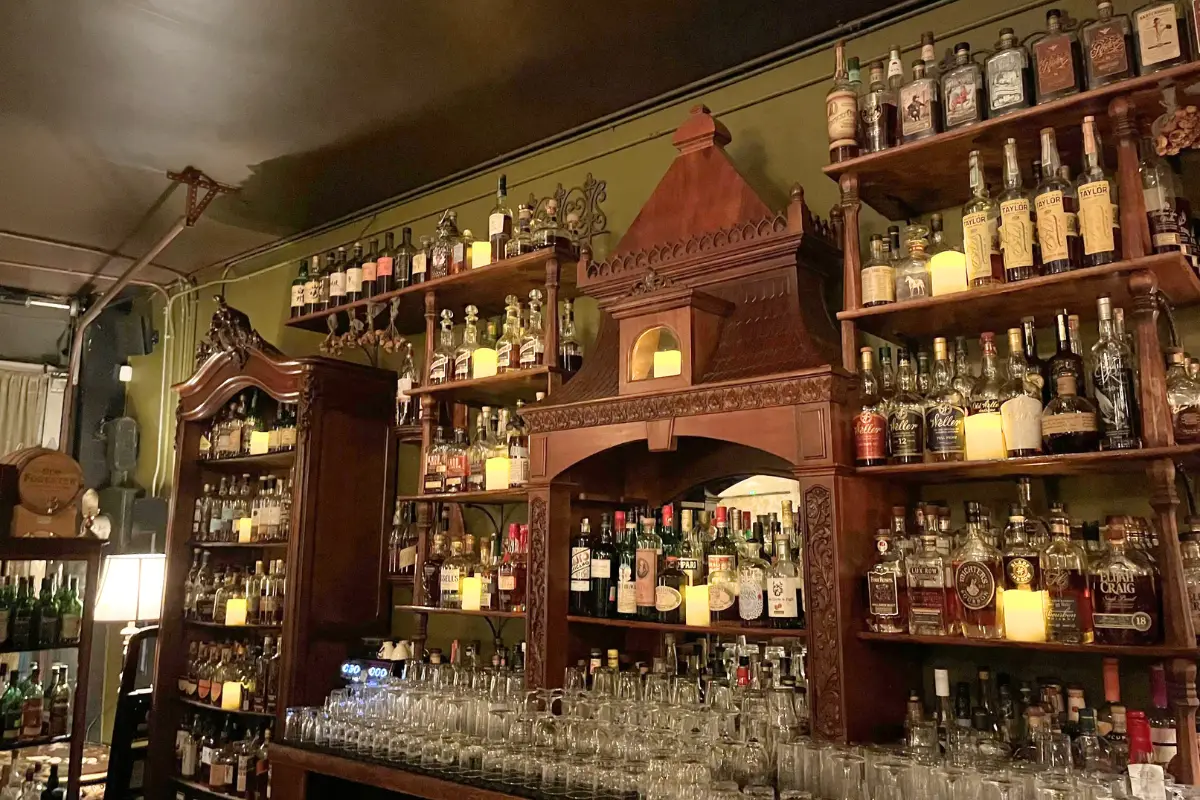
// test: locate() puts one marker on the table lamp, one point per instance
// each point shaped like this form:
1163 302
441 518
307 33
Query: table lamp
131 590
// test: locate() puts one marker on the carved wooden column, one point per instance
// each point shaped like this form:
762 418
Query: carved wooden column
550 324
1135 227
425 517
1181 681
546 584
851 291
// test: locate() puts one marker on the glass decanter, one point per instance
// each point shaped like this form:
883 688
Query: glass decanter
912 272
478 452
522 240
1065 581
977 569
1183 398
508 346
470 343
1124 588
441 251
533 343
441 368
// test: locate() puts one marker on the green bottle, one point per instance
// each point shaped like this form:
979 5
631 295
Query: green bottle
11 706
6 603
47 615
22 617
70 612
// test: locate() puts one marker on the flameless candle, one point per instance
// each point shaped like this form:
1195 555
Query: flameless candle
1024 615
481 254
235 611
260 443
472 590
231 696
948 272
697 606
495 473
483 362
244 525
667 363
985 437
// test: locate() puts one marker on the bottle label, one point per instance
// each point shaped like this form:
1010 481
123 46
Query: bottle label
243 770
916 107
581 561
975 585
667 598
878 284
1021 572
782 598
1107 52
504 355
1185 421
750 594
978 245
722 585
601 569
1006 84
1021 422
508 582
960 94
419 264
449 579
188 767
626 591
1074 422
297 295
439 258
530 353
287 437
906 433
462 365
458 255
499 224
437 367
1096 217
647 575
1051 226
841 116
1157 34
337 284
407 558
895 69
369 271
883 594
1164 228
206 755
383 267
1062 613
1055 66
947 426
518 466
354 278
312 294
870 435
1113 388
1016 233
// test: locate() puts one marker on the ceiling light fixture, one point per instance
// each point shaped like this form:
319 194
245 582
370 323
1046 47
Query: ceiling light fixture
39 303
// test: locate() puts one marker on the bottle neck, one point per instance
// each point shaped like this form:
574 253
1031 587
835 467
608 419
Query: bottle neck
1050 162
1012 169
978 185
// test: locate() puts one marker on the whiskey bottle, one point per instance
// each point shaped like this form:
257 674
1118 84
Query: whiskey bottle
431 568
920 106
870 424
924 379
964 379
963 99
451 575
1057 61
570 355
977 569
470 343
337 279
1112 382
296 304
1008 76
906 417
928 593
1190 547
1158 191
500 222
1099 222
929 55
841 111
1069 421
878 112
1056 206
1022 568
1038 369
312 288
518 449
877 277
1124 589
912 271
441 366
984 422
945 416
1016 222
403 265
887 588
1160 29
354 274
420 260
981 240
1064 579
1020 403
1183 399
533 345
1064 361
887 379
1107 47
385 265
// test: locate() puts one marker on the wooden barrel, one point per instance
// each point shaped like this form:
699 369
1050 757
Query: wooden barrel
48 481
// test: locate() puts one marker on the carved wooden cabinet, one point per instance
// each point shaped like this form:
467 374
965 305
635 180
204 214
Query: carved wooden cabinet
343 478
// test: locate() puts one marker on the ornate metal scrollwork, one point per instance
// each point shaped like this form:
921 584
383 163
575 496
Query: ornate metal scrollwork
578 208
231 332
649 283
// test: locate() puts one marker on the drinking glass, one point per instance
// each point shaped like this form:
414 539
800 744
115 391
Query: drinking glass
1050 788
999 788
574 680
1054 753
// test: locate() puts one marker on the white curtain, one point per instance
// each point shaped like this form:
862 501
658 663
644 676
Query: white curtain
22 409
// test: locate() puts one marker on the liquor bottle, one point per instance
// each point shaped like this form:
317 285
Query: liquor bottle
1064 361
511 578
1022 571
1057 61
522 240
337 279
47 615
877 277
1158 192
924 379
297 290
854 76
752 582
581 566
963 98
500 221
1020 402
945 415
370 270
929 55
691 550
964 378
649 548
460 251
441 366
1183 398
518 449
722 571
312 287
906 417
452 573
508 347
785 582
570 354
1163 733
457 464
878 112
626 565
408 407
421 260
10 707
670 584
1112 382
985 424
1124 586
912 272
892 244
1160 29
895 68
1036 368
887 588
928 592
22 616
977 569
1016 223
920 106
870 424
1107 47
442 246
533 344
1009 85
31 705
981 217
1069 421
603 586
1056 205
404 266
1098 218
470 343
887 378
385 266
431 568
841 111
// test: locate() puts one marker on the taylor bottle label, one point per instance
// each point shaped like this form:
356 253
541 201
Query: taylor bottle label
1107 52
947 427
883 594
975 585
1157 34
916 108
1016 233
1096 217
1006 88
878 285
841 117
962 99
581 573
870 436
977 241
1055 67
1052 226
781 598
906 433
647 575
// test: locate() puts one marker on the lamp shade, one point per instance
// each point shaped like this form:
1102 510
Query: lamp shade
131 588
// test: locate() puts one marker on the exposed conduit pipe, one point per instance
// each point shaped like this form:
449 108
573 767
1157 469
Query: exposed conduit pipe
83 248
90 276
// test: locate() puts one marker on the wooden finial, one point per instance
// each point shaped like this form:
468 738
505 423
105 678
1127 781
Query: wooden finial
700 130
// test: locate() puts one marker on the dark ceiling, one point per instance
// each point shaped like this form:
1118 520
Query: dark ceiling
316 108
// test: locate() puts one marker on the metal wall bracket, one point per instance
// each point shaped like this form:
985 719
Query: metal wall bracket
197 180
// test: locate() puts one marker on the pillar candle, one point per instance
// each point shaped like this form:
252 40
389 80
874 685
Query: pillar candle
696 606
667 363
1024 615
231 696
481 254
948 272
483 362
985 437
472 590
495 473
235 611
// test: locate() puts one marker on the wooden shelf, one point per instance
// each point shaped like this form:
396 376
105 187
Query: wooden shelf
408 434
283 458
503 389
195 623
494 497
38 741
41 648
200 788
931 174
1104 461
400 580
728 629
485 288
236 545
29 548
1132 651
480 613
999 307
219 710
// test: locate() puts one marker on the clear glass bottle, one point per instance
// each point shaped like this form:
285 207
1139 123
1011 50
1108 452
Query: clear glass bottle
1112 384
441 366
1099 221
420 260
1022 562
442 248
1069 421
963 100
947 264
964 379
533 343
522 240
1009 82
841 111
1016 221
920 106
912 272
1125 593
460 254
508 346
470 343
785 580
450 577
408 407
887 588
877 278
878 112
1183 398
1158 192
981 229
1056 205
924 379
1037 530
477 455
752 584
1107 47
1190 552
984 420
1020 403
457 467
887 378
928 591
1057 61
977 569
945 416
1161 36
500 222
570 354
906 416
1065 581
870 424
